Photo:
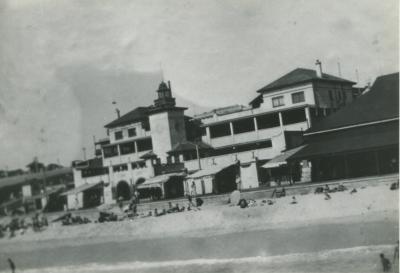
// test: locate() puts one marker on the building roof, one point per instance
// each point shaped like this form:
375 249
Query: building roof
26 178
348 143
298 76
378 104
136 115
189 146
280 159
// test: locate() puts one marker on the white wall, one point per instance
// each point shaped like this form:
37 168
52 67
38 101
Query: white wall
27 190
249 177
287 97
140 132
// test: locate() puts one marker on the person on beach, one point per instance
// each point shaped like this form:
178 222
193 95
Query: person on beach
193 192
294 201
12 265
385 263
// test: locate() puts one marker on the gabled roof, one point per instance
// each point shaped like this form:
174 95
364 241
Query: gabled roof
136 115
298 76
379 104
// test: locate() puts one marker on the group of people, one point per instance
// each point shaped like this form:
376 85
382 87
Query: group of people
39 221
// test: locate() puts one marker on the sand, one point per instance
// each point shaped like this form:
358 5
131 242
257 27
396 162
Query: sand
372 203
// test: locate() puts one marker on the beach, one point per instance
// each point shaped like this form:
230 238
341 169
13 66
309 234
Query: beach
283 237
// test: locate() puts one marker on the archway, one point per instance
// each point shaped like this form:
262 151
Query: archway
123 190
139 181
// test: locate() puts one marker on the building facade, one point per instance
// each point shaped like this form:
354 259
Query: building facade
162 153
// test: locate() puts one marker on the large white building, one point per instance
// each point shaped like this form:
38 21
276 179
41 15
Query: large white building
163 153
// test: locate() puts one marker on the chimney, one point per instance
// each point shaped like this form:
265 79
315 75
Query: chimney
318 68
169 85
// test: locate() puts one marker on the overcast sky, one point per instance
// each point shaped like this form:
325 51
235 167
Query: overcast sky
62 62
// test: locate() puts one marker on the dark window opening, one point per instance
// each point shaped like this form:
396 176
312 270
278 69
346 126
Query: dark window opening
110 151
120 168
127 148
242 148
267 121
89 172
138 165
243 126
278 101
203 131
220 130
298 97
146 125
144 145
132 132
293 116
330 95
118 135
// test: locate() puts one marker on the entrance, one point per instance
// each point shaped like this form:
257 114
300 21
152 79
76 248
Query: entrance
123 190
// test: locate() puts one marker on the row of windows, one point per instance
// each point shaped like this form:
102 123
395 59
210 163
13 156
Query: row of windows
119 135
94 172
263 122
128 148
296 98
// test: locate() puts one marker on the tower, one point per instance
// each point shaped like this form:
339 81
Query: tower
167 122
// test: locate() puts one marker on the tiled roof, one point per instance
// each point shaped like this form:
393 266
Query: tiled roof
380 103
298 76
136 115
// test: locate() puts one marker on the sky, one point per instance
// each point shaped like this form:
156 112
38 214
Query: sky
63 62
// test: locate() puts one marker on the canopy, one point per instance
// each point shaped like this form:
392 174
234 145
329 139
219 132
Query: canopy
156 180
212 170
81 188
281 159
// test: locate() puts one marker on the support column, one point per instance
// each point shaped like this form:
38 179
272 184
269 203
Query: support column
280 120
256 127
308 116
208 134
136 149
232 135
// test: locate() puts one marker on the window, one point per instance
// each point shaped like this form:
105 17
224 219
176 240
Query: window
298 97
132 132
277 101
267 121
127 148
144 145
293 116
243 125
110 151
118 135
120 168
220 130
330 95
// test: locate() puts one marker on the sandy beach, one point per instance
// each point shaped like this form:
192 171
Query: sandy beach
372 210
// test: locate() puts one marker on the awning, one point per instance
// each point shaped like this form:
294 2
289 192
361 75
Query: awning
281 159
157 180
209 171
81 188
347 143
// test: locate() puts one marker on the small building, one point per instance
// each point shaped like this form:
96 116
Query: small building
35 190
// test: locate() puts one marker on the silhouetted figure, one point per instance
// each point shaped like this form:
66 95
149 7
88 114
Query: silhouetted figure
385 263
294 201
12 265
